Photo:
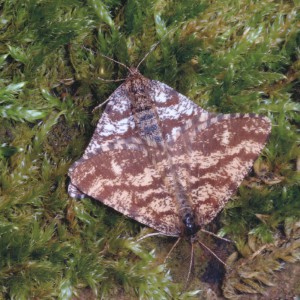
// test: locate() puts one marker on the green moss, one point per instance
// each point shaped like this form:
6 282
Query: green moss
238 57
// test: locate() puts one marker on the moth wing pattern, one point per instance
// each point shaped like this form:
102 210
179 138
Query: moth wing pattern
220 153
211 154
127 181
203 156
116 128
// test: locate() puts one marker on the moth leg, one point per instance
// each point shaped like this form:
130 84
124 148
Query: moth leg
212 252
171 250
216 236
153 234
190 267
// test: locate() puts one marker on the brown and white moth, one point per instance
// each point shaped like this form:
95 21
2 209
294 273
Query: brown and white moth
162 160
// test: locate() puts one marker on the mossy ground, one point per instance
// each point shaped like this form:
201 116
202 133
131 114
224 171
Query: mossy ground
228 56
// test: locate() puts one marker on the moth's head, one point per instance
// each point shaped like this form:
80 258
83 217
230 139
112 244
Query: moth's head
191 227
133 72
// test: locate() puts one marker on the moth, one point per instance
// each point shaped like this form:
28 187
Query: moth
162 160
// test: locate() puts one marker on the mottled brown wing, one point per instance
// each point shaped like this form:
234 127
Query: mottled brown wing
221 153
210 160
116 128
127 181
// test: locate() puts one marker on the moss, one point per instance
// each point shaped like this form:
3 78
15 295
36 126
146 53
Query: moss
256 271
238 57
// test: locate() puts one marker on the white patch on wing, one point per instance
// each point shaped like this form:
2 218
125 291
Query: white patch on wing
120 127
118 102
160 96
225 138
116 168
174 133
174 111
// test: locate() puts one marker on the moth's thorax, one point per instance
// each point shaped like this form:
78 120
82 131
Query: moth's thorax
143 108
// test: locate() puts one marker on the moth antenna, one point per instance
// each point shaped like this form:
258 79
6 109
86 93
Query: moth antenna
117 62
153 234
146 55
111 80
100 105
212 252
216 236
109 58
171 250
190 267
106 80
153 47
